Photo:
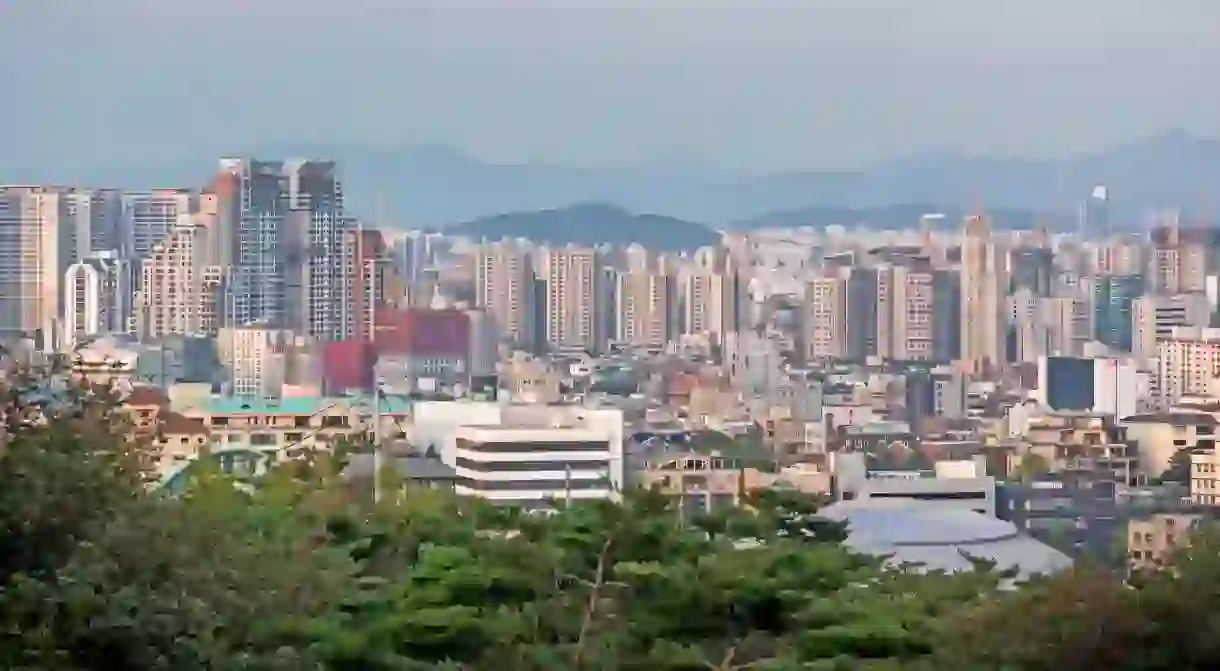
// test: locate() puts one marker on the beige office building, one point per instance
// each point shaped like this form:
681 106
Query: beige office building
984 291
38 240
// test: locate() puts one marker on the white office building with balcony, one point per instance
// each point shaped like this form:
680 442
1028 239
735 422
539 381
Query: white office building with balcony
526 454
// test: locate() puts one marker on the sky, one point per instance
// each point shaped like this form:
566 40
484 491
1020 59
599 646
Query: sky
761 86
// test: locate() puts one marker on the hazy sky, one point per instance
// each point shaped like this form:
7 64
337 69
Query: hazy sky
765 84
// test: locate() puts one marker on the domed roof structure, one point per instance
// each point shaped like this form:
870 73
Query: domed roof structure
940 539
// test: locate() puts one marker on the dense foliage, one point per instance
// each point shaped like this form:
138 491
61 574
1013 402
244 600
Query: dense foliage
296 574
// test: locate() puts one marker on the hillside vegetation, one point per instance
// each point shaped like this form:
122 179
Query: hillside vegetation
299 573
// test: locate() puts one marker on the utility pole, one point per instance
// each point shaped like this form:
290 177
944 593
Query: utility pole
377 457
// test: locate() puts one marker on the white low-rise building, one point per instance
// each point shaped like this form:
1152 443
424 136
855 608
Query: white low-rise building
526 453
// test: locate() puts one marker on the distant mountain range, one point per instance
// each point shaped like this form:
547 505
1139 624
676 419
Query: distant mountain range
903 216
590 224
429 186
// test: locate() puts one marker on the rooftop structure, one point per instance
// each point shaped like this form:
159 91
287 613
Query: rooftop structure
940 539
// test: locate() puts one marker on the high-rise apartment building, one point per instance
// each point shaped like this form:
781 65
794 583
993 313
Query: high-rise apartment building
984 287
173 294
826 318
369 290
909 296
282 228
946 315
98 218
38 243
1120 257
1068 325
712 304
504 287
1188 363
646 308
254 358
1113 297
1155 316
99 293
1177 263
572 308
149 217
1033 268
863 313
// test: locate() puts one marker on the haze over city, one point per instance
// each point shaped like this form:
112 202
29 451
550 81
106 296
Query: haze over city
761 86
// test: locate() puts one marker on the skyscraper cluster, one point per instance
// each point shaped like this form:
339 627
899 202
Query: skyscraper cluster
584 298
264 243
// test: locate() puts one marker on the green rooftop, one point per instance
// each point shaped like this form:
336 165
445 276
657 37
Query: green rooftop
300 405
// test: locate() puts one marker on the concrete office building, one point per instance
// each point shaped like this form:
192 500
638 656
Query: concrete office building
525 454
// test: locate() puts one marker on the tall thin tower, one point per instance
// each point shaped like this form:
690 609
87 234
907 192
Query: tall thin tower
984 287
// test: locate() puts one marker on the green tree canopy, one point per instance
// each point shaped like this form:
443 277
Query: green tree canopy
294 573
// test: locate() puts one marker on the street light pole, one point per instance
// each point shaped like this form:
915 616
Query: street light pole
377 460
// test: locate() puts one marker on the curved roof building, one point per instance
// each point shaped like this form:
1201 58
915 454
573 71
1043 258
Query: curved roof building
942 539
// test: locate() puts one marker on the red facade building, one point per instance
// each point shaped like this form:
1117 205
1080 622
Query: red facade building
423 333
347 365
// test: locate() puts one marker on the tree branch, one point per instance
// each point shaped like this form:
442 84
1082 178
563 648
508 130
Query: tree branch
594 597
